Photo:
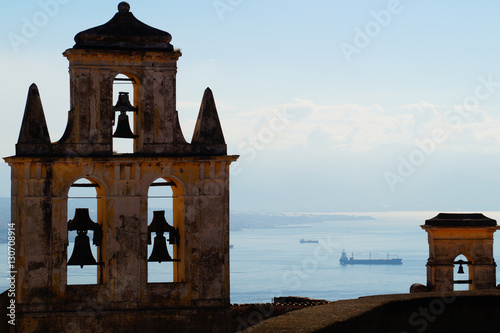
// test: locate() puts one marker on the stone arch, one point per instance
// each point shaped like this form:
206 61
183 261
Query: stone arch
136 84
461 249
128 73
179 189
102 188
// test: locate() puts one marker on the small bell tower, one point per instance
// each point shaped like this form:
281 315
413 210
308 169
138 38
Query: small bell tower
451 235
197 172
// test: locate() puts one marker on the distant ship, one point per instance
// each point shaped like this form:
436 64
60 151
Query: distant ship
308 241
344 260
231 246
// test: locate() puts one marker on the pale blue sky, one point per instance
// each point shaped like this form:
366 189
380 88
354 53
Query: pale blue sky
349 121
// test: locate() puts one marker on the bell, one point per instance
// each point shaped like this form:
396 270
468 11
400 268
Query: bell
160 252
460 269
159 225
123 103
83 222
123 128
82 255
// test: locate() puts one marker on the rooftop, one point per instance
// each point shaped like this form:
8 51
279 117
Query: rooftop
459 311
124 32
461 220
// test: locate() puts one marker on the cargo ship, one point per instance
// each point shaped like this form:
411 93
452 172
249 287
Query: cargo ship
344 260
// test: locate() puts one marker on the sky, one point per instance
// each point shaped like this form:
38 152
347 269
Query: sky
333 106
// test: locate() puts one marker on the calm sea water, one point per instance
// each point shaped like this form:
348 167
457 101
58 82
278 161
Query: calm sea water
266 263
271 262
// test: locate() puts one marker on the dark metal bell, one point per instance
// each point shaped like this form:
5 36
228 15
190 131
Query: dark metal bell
160 252
82 255
461 268
159 225
83 222
123 103
123 128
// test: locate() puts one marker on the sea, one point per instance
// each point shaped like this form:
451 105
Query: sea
271 262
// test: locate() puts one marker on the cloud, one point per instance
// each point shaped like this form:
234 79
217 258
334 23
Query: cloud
304 123
359 128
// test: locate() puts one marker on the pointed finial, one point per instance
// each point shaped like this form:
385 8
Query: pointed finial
208 134
34 136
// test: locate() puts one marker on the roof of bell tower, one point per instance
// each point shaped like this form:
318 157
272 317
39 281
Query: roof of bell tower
124 32
461 220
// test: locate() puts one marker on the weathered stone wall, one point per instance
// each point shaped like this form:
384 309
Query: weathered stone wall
91 76
201 214
446 243
95 320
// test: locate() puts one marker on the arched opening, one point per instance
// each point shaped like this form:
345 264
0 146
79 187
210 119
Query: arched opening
462 275
82 206
160 199
124 108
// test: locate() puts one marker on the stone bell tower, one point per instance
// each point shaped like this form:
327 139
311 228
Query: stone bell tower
451 235
43 172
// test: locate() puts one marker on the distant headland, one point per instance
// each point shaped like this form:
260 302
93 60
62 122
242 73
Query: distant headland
272 220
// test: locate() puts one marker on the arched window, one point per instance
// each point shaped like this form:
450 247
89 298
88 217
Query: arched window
125 110
160 210
462 279
82 214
